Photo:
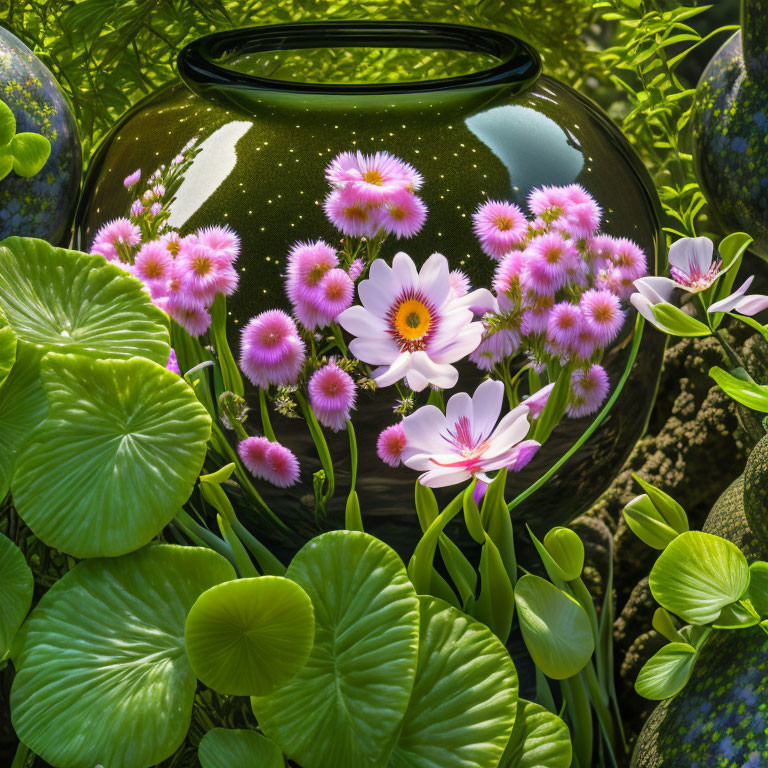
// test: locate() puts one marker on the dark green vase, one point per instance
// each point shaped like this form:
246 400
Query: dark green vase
492 132
730 128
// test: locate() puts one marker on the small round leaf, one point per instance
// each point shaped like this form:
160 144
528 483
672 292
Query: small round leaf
666 672
116 456
464 698
16 587
224 748
555 628
540 739
697 575
101 673
344 707
30 153
66 301
247 637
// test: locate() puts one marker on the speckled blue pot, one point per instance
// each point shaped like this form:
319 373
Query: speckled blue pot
730 128
43 205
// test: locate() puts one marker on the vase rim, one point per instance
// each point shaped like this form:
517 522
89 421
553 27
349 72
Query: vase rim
199 69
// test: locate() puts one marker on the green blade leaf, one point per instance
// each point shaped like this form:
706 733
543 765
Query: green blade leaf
464 699
101 672
666 672
672 513
65 301
344 707
224 748
113 426
697 575
16 587
742 391
647 523
246 637
676 323
556 629
30 153
539 739
7 124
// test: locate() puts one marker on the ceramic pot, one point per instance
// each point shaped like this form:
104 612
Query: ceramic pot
493 132
730 128
43 205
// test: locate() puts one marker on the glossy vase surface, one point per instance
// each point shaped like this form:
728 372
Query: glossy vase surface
489 133
730 126
43 205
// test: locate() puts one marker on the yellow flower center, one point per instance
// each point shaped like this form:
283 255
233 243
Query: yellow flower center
412 319
503 223
316 273
373 177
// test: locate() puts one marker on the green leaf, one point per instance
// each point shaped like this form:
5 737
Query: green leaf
742 391
666 672
224 748
567 550
464 698
672 512
247 637
30 153
739 615
7 350
343 709
647 523
6 162
556 629
116 456
555 406
22 408
16 587
551 566
495 605
7 124
65 301
664 624
539 739
731 250
758 586
676 323
101 673
697 575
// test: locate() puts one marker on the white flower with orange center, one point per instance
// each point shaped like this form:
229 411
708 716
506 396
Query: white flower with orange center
412 325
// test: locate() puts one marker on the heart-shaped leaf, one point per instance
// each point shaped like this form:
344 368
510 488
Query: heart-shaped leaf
697 575
666 672
22 408
540 739
247 637
30 153
555 628
7 124
66 301
16 587
758 586
224 748
116 456
7 350
344 707
463 703
101 673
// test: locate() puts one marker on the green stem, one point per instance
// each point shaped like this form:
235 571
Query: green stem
578 712
733 356
322 447
20 758
352 454
245 567
599 702
268 562
193 529
266 424
339 338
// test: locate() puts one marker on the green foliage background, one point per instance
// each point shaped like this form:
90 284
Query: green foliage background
627 54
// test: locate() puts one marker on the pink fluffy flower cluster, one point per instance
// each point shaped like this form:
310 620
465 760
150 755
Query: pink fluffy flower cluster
183 275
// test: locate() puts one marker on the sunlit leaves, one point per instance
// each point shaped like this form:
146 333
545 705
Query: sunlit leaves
539 739
16 586
224 748
742 389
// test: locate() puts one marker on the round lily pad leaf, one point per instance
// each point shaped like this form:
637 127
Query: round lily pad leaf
68 301
224 748
463 704
345 705
7 124
249 636
116 456
102 677
22 408
30 153
540 739
7 349
16 587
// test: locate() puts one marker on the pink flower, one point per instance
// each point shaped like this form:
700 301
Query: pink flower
602 314
204 272
630 259
691 264
351 215
391 444
223 241
373 178
356 269
500 227
738 302
307 265
547 261
538 400
522 453
116 238
547 200
403 215
588 391
132 178
335 293
172 242
155 209
507 277
581 214
193 319
136 209
466 441
536 319
173 363
564 324
269 461
271 350
332 395
584 345
459 283
153 263
494 348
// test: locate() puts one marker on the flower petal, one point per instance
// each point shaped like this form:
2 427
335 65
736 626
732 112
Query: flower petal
656 289
434 371
442 477
380 289
643 305
459 405
511 429
729 302
479 301
450 347
434 278
404 273
385 377
423 432
691 254
486 407
375 351
360 322
752 304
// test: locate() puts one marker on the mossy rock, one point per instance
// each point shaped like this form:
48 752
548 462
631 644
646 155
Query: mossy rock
728 519
720 719
756 491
